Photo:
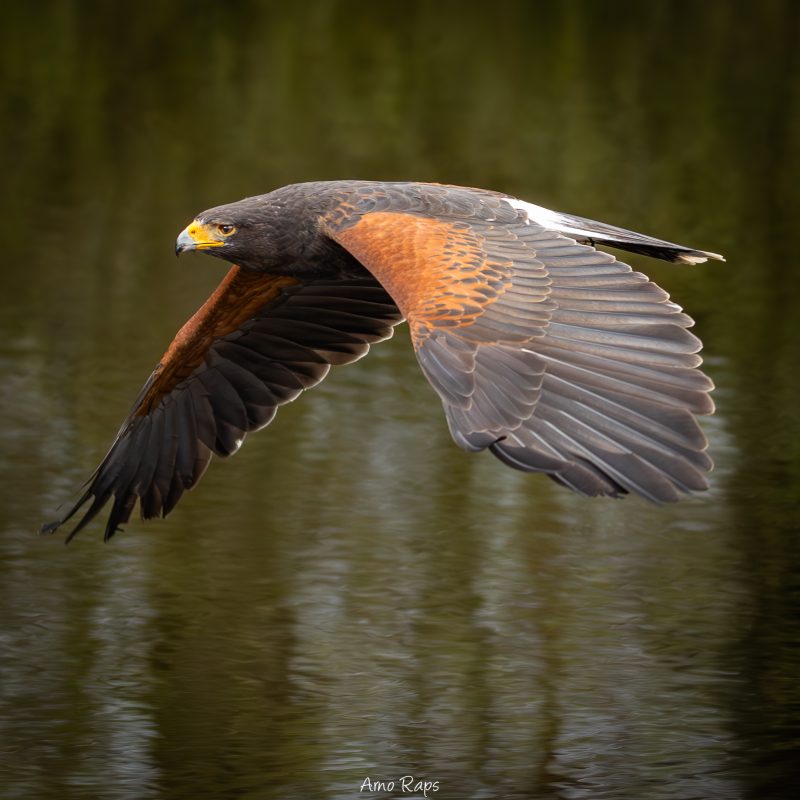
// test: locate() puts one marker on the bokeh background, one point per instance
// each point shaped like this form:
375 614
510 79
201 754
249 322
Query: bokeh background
351 596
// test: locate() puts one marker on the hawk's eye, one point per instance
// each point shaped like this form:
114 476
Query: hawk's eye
226 230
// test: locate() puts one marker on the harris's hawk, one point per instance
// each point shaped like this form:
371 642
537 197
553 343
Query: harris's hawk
545 351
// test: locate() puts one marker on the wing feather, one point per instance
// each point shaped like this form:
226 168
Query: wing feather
257 343
553 355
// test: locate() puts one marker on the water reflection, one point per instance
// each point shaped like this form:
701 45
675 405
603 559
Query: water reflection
351 596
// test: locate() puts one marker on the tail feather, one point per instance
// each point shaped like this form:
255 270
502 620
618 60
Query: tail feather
589 231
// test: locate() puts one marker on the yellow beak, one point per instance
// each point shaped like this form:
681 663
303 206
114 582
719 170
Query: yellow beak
197 237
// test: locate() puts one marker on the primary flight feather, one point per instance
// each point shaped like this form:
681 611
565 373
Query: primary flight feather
551 354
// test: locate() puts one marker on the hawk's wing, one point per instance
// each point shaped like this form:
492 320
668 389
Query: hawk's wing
555 356
256 344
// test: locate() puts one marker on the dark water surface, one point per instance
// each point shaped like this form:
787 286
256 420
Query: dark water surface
352 596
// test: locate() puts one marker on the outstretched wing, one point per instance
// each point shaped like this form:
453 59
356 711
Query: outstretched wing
256 344
553 355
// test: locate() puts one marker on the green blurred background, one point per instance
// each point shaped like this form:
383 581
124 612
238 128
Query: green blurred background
352 596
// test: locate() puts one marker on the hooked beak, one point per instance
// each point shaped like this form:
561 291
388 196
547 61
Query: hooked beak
196 236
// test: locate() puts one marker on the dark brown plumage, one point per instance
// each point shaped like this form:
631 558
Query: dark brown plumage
551 354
